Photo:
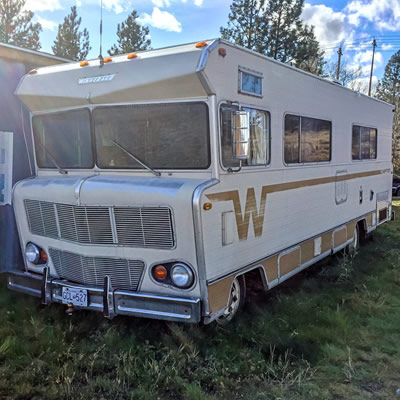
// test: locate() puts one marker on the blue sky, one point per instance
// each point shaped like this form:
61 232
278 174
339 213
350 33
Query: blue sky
353 22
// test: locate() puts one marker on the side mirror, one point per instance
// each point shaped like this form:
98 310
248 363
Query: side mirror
241 134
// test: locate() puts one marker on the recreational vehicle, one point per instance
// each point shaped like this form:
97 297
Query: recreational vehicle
165 179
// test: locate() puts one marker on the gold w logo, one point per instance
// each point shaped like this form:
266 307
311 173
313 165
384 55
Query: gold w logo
243 220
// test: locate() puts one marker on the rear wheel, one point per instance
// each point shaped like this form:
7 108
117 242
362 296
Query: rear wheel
355 244
236 301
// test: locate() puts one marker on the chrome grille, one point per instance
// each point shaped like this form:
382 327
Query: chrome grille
124 274
149 227
144 227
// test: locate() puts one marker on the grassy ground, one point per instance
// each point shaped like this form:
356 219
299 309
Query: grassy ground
333 332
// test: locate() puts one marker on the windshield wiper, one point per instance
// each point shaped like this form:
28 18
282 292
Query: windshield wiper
60 170
154 172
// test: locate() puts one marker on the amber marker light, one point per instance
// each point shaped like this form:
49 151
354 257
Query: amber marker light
84 63
201 44
130 56
160 272
207 206
107 59
43 256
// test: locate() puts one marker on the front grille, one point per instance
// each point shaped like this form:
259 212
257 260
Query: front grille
149 227
124 274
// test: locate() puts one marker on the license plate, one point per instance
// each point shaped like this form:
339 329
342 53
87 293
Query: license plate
78 297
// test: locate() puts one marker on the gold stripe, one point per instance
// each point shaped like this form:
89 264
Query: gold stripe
289 261
339 237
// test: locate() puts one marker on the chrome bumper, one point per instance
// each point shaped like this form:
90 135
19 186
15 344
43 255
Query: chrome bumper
109 302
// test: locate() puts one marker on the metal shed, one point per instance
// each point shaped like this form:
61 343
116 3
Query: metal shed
16 154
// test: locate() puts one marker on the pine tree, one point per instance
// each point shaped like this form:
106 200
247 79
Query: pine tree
246 24
16 25
71 43
131 36
389 90
274 28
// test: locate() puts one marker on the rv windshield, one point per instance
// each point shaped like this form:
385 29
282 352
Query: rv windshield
63 140
169 136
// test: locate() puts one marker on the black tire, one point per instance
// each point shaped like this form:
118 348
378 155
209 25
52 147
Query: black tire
236 301
355 244
398 192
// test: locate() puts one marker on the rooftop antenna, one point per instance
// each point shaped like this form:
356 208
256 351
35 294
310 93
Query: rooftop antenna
101 35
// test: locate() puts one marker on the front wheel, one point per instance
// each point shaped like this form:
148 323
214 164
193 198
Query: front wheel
236 301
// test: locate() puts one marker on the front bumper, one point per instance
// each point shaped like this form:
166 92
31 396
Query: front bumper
109 302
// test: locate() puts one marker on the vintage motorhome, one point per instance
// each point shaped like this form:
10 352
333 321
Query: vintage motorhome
167 178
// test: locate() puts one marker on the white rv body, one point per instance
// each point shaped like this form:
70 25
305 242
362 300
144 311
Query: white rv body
220 221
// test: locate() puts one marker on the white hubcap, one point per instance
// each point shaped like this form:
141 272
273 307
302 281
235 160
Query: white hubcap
233 304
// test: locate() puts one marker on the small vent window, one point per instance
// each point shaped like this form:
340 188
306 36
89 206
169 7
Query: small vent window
250 82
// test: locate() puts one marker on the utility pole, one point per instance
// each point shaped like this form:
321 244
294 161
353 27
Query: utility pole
338 63
372 66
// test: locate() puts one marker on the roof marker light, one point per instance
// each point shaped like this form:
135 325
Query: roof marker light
130 56
201 44
84 63
107 59
32 72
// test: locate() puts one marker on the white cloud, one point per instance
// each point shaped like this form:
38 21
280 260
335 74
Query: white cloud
161 3
162 20
387 46
47 24
384 14
198 2
363 59
330 27
118 6
42 5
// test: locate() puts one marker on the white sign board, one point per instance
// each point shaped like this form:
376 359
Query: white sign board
6 164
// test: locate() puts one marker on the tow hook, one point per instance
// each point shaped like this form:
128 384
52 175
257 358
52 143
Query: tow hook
70 309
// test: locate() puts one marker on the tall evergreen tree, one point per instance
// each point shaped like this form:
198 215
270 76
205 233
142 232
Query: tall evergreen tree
70 42
131 36
389 90
274 28
246 24
16 26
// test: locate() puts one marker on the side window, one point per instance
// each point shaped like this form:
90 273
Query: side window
364 143
307 139
250 82
259 137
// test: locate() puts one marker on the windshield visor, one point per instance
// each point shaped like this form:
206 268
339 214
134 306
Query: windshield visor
63 138
162 136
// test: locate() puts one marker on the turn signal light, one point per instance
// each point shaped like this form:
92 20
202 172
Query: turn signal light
107 59
84 63
160 272
130 56
201 44
43 256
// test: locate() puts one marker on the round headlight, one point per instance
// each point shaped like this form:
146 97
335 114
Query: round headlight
32 253
181 275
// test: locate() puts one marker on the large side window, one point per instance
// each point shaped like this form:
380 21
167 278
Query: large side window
259 137
364 142
307 139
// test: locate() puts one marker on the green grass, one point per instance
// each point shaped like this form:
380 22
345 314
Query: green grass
332 332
